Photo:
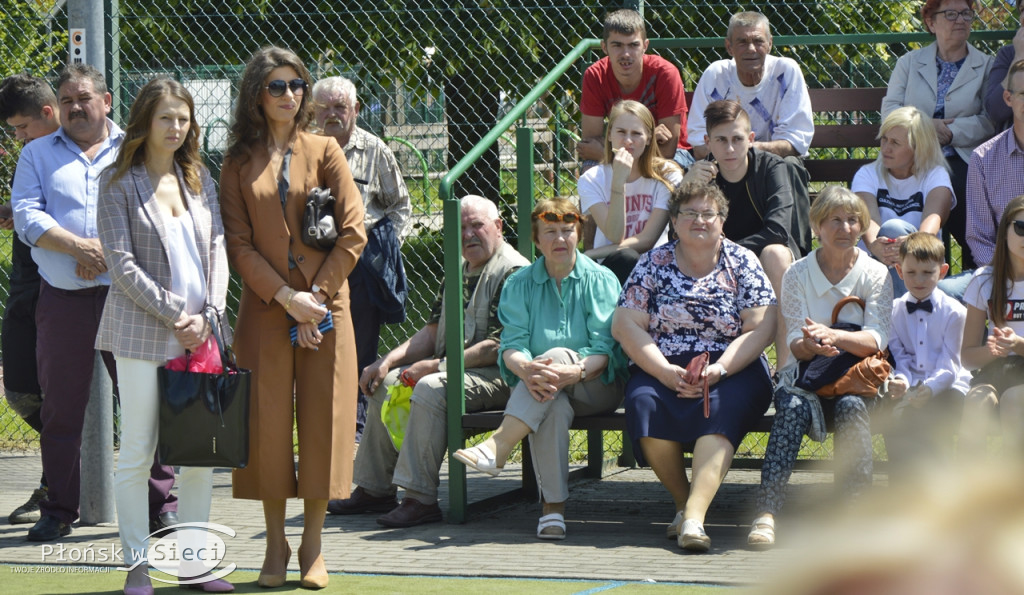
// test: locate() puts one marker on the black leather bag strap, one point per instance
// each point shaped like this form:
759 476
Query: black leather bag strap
227 355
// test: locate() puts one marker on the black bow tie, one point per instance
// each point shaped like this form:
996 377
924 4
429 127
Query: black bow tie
915 306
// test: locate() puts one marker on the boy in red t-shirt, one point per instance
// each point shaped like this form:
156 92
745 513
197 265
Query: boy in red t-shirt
628 73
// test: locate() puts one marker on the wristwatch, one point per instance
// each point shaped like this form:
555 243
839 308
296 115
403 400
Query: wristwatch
724 371
317 289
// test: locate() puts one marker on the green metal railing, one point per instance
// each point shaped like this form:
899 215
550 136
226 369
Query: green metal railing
524 196
425 182
453 265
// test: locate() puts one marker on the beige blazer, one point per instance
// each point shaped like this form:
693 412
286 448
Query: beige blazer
140 311
915 81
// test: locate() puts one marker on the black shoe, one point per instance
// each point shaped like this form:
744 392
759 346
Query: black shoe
411 513
48 528
29 511
163 521
361 502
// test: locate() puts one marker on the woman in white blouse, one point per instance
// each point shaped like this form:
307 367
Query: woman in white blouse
163 241
810 290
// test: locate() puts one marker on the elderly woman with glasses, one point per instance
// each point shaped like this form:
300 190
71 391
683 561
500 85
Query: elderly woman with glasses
557 353
309 381
702 294
946 81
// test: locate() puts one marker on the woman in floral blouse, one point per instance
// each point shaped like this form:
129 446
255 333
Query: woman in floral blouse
701 293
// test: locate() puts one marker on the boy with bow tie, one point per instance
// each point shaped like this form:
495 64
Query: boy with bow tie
929 381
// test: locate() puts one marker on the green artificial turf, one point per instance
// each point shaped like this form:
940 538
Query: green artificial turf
31 579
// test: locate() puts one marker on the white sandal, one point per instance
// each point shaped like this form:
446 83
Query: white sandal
555 522
672 531
762 532
479 457
692 537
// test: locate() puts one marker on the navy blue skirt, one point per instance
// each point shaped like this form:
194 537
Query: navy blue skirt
736 403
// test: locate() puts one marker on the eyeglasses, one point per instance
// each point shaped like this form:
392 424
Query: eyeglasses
689 215
556 218
951 15
277 87
1018 228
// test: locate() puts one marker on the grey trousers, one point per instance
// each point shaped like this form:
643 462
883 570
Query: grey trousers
379 467
550 421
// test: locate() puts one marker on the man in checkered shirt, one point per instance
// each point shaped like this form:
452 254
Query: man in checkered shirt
994 174
376 172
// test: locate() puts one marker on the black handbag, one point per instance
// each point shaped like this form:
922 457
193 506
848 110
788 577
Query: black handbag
319 229
204 418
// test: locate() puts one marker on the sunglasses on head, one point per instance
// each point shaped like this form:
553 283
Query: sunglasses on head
277 87
556 218
1018 228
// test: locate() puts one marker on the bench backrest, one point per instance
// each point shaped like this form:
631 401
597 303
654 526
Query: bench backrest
854 132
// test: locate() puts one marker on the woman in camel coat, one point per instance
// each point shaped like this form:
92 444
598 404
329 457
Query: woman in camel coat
271 165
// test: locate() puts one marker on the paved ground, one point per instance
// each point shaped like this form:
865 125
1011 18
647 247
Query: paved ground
616 530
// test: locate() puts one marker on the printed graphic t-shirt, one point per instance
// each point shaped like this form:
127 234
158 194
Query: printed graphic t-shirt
980 290
642 196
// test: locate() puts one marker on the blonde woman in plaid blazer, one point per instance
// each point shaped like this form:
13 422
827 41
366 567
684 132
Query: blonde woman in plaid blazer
163 242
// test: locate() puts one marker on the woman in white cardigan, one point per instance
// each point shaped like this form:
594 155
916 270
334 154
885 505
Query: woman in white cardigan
163 242
946 80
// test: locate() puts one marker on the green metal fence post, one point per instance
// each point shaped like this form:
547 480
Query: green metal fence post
557 148
524 187
453 347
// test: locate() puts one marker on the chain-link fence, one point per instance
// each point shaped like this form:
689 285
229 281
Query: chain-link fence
433 77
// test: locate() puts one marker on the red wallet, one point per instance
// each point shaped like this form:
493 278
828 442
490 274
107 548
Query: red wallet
694 371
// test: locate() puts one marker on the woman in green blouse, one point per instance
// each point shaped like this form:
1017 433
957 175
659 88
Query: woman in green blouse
558 354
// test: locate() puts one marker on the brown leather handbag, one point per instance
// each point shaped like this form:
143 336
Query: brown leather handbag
846 373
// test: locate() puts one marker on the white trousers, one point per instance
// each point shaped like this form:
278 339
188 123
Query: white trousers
140 409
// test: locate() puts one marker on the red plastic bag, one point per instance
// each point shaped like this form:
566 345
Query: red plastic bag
205 359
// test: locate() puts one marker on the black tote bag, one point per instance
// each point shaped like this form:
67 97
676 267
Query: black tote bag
204 418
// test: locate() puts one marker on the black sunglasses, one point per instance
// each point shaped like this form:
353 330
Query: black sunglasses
1018 228
556 218
277 87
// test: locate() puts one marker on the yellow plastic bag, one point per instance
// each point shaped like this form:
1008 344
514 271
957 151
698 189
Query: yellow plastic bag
395 412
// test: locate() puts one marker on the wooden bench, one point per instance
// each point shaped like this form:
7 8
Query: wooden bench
854 129
595 426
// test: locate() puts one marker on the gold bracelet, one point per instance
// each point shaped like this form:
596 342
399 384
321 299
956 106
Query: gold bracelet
288 302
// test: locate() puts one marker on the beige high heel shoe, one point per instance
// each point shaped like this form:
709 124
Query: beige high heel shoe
269 581
313 576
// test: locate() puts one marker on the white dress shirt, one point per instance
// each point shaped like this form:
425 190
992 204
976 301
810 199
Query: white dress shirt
926 345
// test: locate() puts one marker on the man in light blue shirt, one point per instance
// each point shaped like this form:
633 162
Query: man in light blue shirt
54 199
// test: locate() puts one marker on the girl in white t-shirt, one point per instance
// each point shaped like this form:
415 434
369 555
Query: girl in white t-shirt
995 299
627 195
906 189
